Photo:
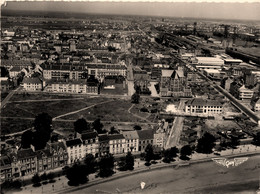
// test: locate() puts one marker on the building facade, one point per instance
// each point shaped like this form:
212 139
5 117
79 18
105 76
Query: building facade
202 106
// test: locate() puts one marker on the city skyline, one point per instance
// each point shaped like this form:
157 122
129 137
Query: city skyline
247 11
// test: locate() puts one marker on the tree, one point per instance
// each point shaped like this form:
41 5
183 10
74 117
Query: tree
185 151
106 166
81 125
113 130
50 177
76 175
36 180
90 163
149 153
4 72
130 161
206 143
256 139
169 154
43 127
98 126
234 142
137 128
44 176
27 138
135 98
122 164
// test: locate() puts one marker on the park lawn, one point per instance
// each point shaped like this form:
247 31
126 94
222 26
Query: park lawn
41 96
53 108
14 125
31 109
116 110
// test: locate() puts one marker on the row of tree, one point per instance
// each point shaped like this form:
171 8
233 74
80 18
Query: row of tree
79 172
45 178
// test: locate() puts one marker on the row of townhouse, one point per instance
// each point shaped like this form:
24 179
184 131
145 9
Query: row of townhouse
101 70
99 145
66 152
58 72
28 161
60 86
72 86
77 72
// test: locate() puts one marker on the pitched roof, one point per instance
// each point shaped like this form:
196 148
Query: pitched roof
43 153
115 136
56 146
145 134
167 73
130 135
89 135
25 153
5 161
73 142
32 80
103 137
203 102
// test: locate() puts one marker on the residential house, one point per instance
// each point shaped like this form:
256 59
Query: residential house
160 134
103 145
102 70
14 71
59 154
6 85
59 72
75 150
226 83
26 161
256 105
116 144
91 143
245 94
33 84
145 137
202 106
6 168
131 141
44 160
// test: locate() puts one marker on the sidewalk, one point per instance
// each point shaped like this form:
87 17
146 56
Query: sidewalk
61 186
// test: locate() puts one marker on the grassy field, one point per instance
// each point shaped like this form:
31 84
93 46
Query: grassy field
119 90
22 107
116 110
14 125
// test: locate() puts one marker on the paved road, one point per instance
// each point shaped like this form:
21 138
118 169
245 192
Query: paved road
3 103
206 177
175 133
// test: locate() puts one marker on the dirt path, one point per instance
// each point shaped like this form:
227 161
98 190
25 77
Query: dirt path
47 100
137 116
74 112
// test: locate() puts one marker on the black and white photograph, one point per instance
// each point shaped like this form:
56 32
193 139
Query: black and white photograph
131 97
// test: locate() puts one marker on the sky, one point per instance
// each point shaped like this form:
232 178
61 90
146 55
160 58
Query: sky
246 11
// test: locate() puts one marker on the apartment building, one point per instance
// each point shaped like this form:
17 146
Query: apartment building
116 144
75 150
131 141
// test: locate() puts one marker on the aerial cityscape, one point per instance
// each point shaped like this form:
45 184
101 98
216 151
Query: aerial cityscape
137 97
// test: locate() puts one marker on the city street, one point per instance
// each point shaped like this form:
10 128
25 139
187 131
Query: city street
176 129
